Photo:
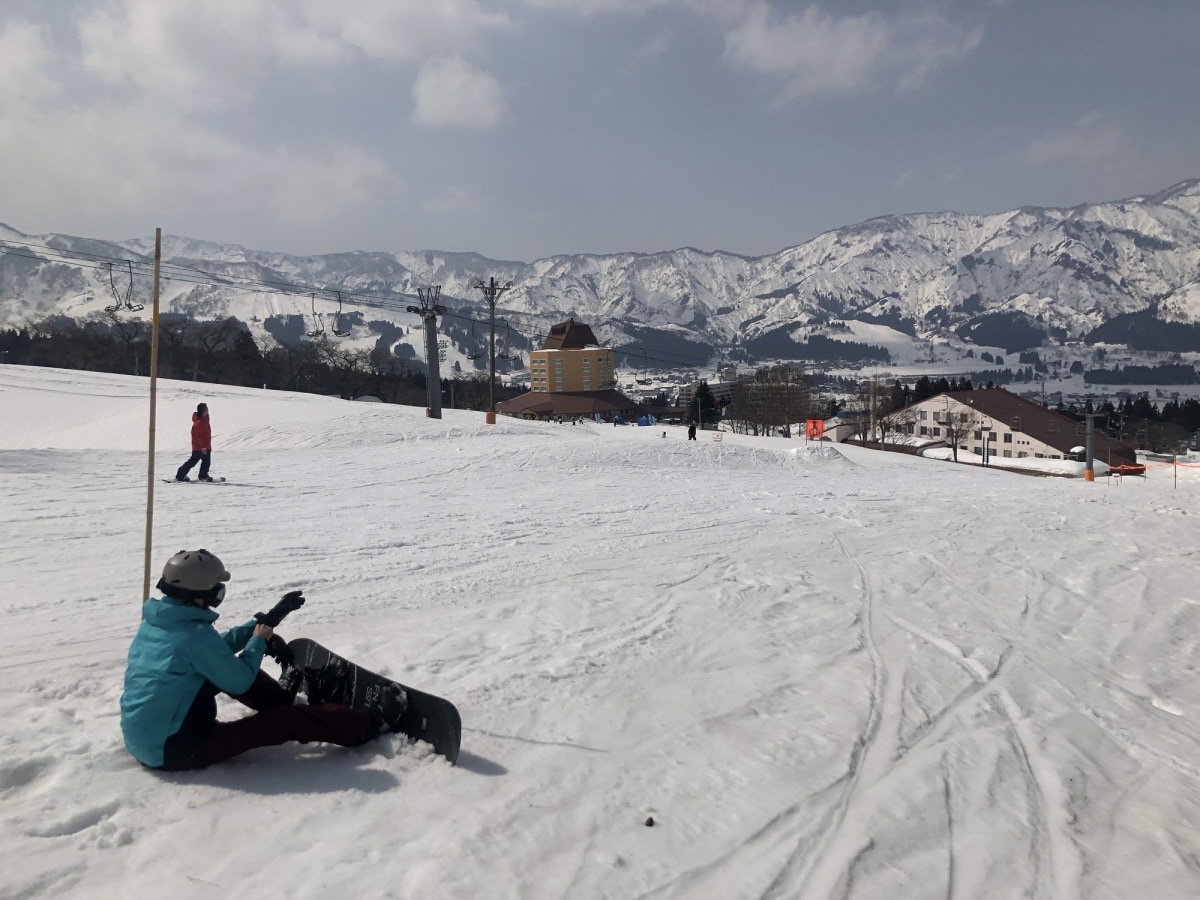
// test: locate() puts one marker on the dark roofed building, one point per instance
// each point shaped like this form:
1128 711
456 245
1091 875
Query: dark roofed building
572 377
571 405
1014 427
570 335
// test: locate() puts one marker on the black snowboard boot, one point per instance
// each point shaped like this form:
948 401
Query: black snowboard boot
328 684
386 712
291 680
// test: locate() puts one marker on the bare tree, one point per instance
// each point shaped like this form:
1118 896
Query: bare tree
134 335
957 421
772 399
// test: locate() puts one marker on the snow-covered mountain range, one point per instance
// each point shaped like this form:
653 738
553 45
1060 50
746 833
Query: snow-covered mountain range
1098 271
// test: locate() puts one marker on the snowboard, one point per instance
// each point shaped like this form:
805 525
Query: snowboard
428 718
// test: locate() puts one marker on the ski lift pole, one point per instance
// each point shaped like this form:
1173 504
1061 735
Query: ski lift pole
429 310
491 290
153 416
1089 470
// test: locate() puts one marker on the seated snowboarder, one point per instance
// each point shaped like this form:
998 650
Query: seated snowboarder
179 662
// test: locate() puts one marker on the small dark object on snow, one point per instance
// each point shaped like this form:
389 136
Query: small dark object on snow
650 821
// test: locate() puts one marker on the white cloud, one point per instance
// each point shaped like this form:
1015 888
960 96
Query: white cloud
214 53
24 61
97 163
454 92
404 29
1088 139
455 200
815 52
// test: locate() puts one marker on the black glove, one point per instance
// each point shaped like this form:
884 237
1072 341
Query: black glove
290 602
279 651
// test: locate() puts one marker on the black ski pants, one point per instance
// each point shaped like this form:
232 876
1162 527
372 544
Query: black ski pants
204 457
202 740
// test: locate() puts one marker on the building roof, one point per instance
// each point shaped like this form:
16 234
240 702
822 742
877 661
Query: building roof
569 335
1051 428
569 403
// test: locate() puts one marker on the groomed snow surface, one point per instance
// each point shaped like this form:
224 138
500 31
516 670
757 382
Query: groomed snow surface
823 671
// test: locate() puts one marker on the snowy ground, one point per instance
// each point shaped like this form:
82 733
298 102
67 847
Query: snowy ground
825 672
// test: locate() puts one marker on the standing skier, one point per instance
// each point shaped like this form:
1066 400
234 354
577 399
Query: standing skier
201 446
179 662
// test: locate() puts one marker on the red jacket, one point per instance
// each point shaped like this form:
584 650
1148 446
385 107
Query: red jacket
201 433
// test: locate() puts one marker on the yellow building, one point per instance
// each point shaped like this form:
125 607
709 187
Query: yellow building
571 377
571 360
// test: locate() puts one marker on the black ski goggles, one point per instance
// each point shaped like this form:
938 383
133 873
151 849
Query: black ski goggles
212 597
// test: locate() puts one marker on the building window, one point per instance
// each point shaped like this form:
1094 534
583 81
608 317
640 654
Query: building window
924 430
924 416
1008 440
937 432
979 435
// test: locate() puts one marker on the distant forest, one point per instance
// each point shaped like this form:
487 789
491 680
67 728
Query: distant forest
224 352
778 344
1146 331
1167 373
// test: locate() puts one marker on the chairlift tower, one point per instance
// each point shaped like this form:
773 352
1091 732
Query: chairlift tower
491 290
429 310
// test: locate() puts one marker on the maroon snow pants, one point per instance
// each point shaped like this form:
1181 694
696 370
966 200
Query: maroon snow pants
202 740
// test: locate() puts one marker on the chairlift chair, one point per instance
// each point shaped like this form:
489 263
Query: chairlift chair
120 301
337 319
320 329
475 352
125 301
129 304
645 366
504 347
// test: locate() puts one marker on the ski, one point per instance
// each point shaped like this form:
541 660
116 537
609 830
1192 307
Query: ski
193 481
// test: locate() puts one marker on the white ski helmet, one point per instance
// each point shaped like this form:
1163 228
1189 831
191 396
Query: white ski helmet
194 575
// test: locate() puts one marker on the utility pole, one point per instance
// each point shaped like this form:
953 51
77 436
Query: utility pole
429 310
491 290
1089 465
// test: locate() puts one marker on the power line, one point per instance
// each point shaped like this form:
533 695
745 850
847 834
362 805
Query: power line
397 302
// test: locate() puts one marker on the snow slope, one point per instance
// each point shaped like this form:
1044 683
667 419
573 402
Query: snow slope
824 672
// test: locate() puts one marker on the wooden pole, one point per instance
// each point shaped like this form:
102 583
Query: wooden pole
153 401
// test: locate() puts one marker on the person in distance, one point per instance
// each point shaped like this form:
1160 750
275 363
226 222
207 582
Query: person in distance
201 446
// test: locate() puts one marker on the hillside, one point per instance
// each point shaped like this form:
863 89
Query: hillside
819 671
1122 272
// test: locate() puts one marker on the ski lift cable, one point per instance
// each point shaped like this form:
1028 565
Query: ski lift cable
172 272
176 272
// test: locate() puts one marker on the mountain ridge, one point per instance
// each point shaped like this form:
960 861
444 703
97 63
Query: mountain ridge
1066 272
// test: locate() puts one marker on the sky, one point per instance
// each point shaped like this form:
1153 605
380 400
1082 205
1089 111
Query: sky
821 671
522 129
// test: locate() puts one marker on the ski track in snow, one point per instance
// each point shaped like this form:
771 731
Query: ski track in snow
770 648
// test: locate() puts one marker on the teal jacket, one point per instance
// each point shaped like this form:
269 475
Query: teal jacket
176 649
